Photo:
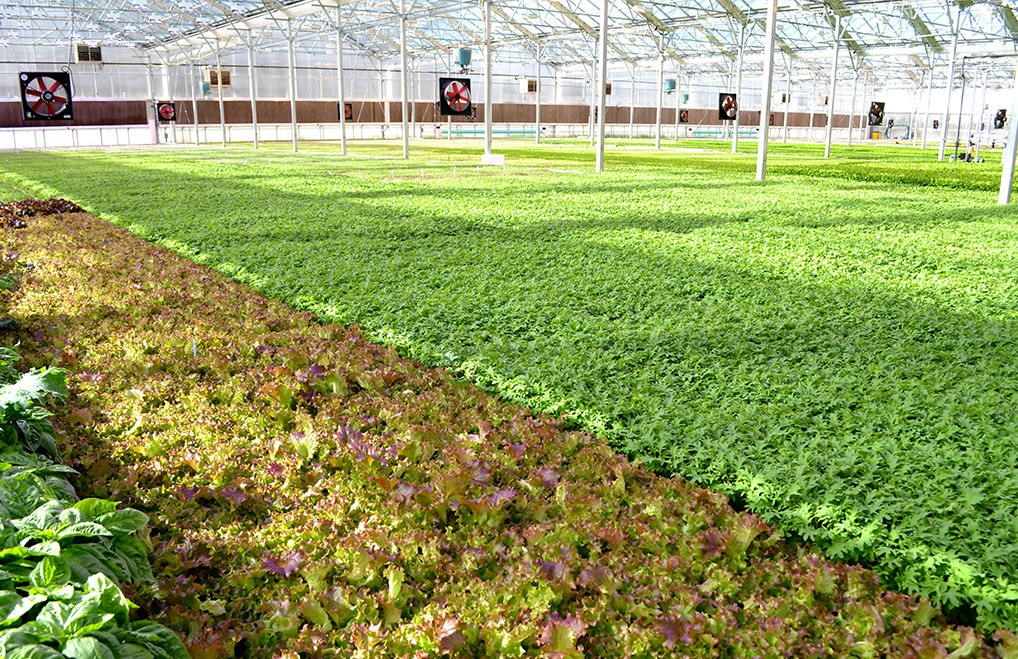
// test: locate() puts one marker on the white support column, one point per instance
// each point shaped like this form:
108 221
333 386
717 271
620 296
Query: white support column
632 101
254 86
851 109
487 78
926 115
602 84
738 89
1007 175
171 73
812 106
404 81
864 114
592 110
969 128
537 109
950 84
678 98
768 87
914 123
660 93
413 100
194 103
982 106
788 102
834 86
150 104
219 86
340 81
291 38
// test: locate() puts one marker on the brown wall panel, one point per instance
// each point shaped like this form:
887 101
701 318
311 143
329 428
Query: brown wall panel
86 113
99 113
646 115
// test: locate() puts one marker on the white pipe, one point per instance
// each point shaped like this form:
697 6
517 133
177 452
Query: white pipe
1007 175
151 116
738 89
487 78
254 87
602 87
968 128
812 107
788 103
768 87
339 80
678 98
982 107
864 114
219 80
404 81
851 109
292 61
834 86
950 84
413 99
537 117
926 115
660 94
632 102
194 105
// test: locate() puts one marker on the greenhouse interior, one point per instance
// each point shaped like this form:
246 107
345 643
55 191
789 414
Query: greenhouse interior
508 328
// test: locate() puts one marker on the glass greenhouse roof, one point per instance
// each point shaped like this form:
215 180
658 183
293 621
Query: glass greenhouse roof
894 42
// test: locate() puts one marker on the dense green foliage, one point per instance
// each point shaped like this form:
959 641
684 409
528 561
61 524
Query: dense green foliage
836 352
62 560
315 495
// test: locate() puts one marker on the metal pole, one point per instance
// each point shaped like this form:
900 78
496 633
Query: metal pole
812 107
950 84
292 61
678 98
738 89
961 112
851 109
537 115
602 82
1007 175
194 105
168 87
915 114
926 115
413 100
404 81
339 80
834 85
788 103
632 101
254 86
219 85
591 124
150 105
487 78
968 126
768 86
864 114
660 94
982 106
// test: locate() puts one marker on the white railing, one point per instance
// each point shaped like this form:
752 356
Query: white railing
64 137
143 135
